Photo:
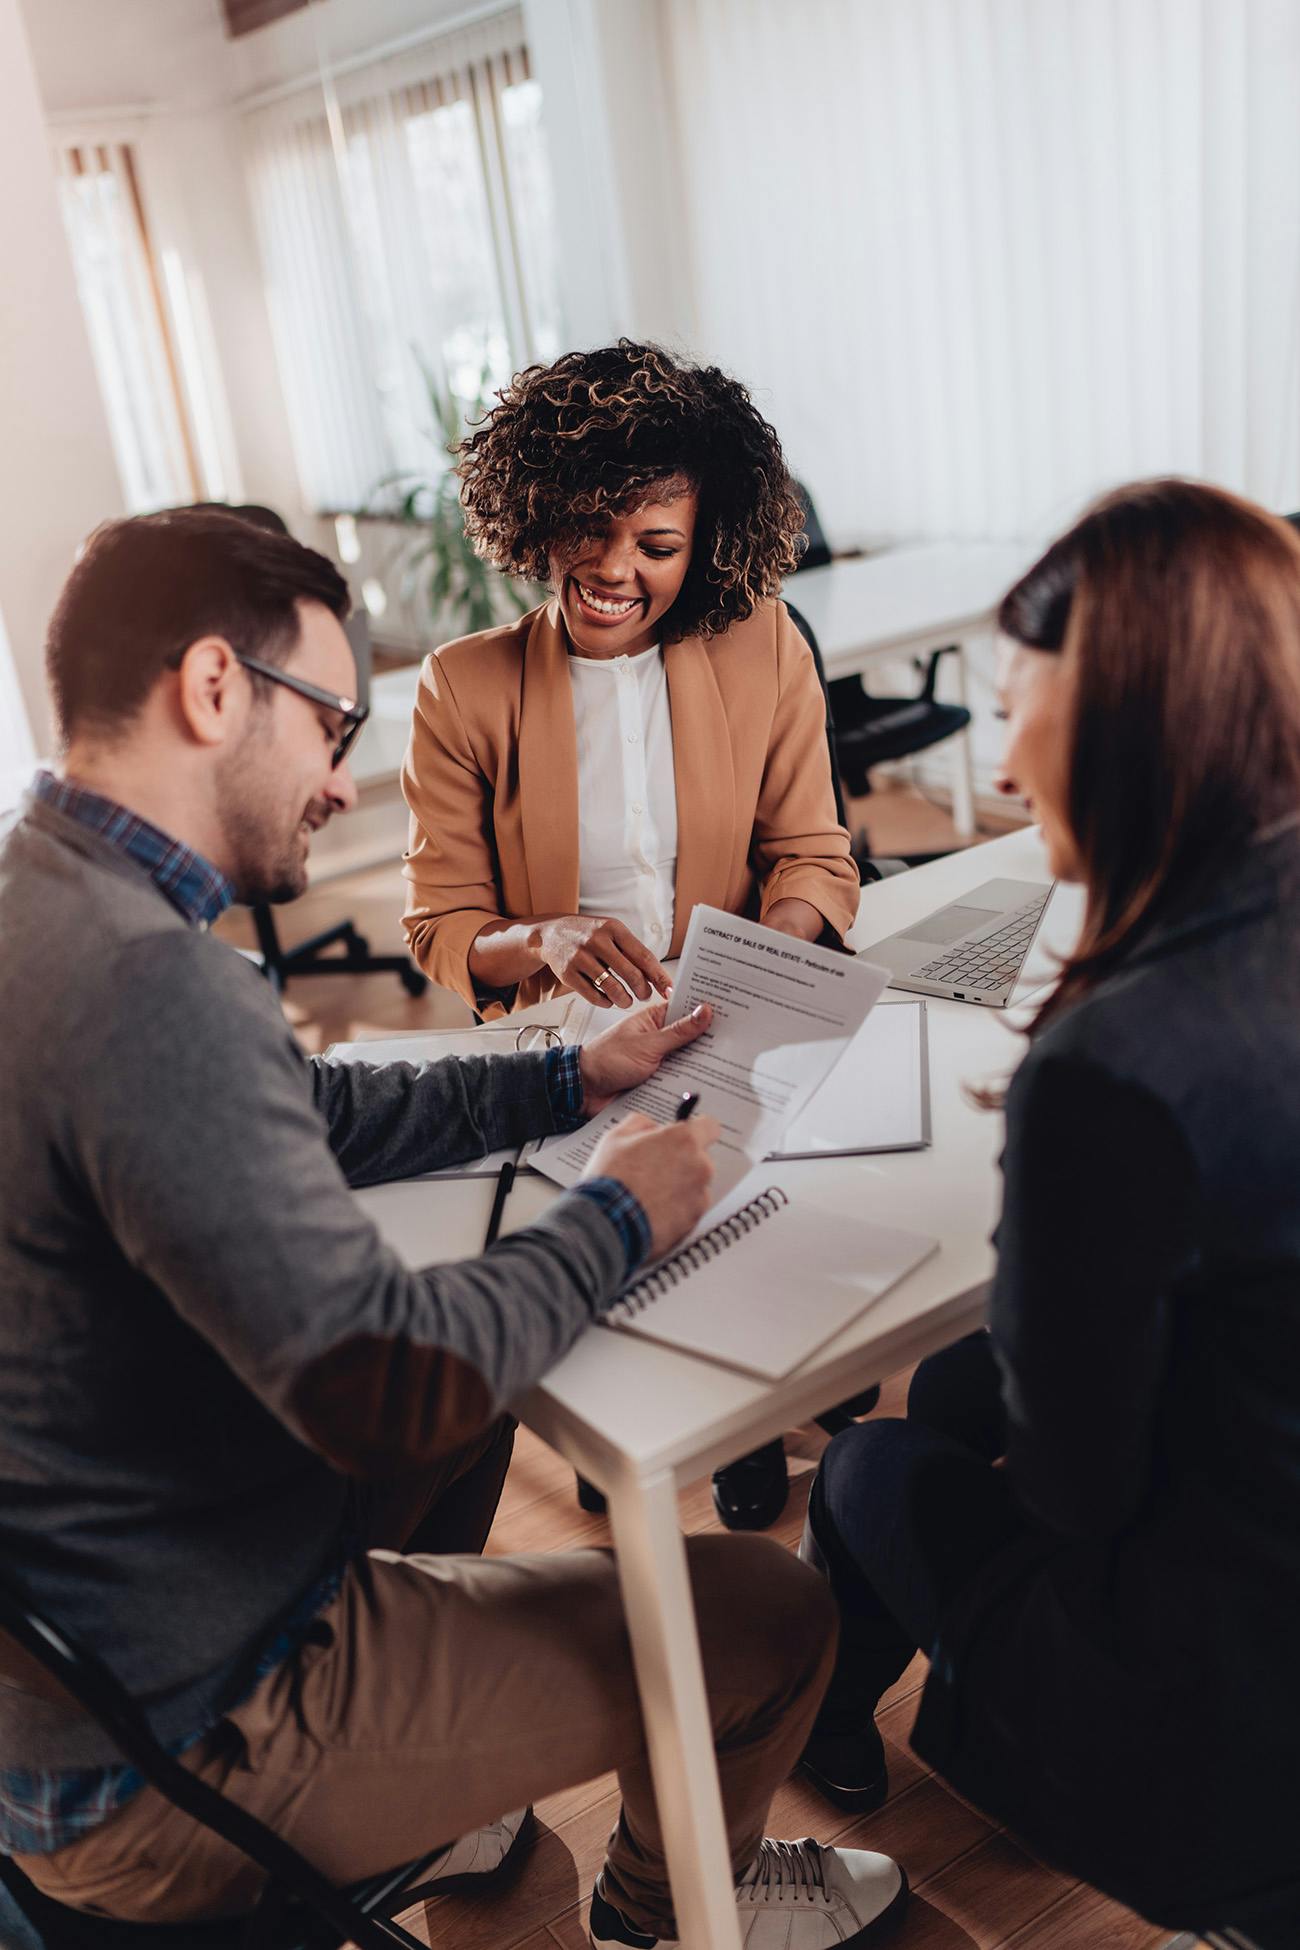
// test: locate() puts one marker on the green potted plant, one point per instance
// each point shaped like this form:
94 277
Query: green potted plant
439 570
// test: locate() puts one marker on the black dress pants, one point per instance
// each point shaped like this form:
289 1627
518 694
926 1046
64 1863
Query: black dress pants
905 1513
959 1392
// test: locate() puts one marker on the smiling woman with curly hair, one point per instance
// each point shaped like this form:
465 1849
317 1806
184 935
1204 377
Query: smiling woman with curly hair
650 738
590 436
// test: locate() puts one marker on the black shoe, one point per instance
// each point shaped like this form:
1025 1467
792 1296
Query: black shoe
750 1494
848 1768
590 1498
836 1420
861 1404
608 1926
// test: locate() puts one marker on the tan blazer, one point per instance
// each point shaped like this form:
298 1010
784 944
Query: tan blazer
491 778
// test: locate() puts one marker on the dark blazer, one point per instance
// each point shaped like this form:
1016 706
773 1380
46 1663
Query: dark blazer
1131 1672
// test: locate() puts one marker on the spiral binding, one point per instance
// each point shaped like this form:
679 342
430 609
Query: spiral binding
671 1272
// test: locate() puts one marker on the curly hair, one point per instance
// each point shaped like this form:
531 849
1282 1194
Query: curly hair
597 434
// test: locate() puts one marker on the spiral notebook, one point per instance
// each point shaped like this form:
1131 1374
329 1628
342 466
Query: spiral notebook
767 1283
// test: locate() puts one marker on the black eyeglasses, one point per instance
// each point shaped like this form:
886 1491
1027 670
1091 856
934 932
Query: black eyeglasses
353 714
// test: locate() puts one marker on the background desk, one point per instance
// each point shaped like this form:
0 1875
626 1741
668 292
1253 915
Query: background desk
639 1420
906 602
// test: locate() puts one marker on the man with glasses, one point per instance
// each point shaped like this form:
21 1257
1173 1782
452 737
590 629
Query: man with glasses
246 1455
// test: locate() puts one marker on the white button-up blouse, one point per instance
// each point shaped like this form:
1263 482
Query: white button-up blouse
627 793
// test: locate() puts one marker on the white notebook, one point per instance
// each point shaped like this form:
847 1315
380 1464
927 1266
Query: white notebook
877 1098
768 1282
426 1045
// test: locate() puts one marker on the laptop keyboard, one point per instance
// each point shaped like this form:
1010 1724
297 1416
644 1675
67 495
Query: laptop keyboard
990 960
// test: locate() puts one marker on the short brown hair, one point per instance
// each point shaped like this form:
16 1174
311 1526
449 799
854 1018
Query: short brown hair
1179 607
570 444
146 588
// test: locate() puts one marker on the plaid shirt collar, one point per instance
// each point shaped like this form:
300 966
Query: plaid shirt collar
195 888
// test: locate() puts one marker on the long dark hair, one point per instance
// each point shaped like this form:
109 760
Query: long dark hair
1178 606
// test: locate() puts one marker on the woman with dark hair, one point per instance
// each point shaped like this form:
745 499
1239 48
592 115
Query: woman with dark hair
1111 1616
651 738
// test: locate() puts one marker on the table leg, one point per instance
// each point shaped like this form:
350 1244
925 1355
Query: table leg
963 764
666 1653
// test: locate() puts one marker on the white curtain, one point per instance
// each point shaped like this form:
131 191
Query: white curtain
981 258
415 231
129 340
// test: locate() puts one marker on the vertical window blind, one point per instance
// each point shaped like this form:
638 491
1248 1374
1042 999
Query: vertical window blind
406 225
985 257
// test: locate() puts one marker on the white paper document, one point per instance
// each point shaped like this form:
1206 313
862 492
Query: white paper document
784 1012
425 1046
877 1098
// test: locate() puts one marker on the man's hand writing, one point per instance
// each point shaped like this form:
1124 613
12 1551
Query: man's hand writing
666 1167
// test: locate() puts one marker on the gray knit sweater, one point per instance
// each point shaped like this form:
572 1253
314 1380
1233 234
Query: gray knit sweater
201 1335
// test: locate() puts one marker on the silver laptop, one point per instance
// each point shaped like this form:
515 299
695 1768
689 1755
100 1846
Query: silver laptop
972 950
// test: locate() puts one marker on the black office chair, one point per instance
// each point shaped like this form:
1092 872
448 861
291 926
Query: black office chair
871 730
869 868
312 957
298 1910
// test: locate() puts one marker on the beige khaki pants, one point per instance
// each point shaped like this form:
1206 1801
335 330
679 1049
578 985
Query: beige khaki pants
437 1693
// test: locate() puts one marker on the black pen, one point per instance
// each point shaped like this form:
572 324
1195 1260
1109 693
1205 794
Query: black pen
690 1099
505 1179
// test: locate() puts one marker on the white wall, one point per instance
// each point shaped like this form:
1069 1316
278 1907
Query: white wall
89 54
59 477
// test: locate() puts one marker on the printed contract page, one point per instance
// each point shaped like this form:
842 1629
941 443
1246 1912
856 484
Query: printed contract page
784 1012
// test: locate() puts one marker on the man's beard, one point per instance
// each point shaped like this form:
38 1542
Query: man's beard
267 856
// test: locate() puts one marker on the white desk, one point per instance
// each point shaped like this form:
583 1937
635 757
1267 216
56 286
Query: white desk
640 1420
906 602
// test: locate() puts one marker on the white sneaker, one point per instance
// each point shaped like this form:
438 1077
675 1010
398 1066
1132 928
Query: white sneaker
479 1854
796 1896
